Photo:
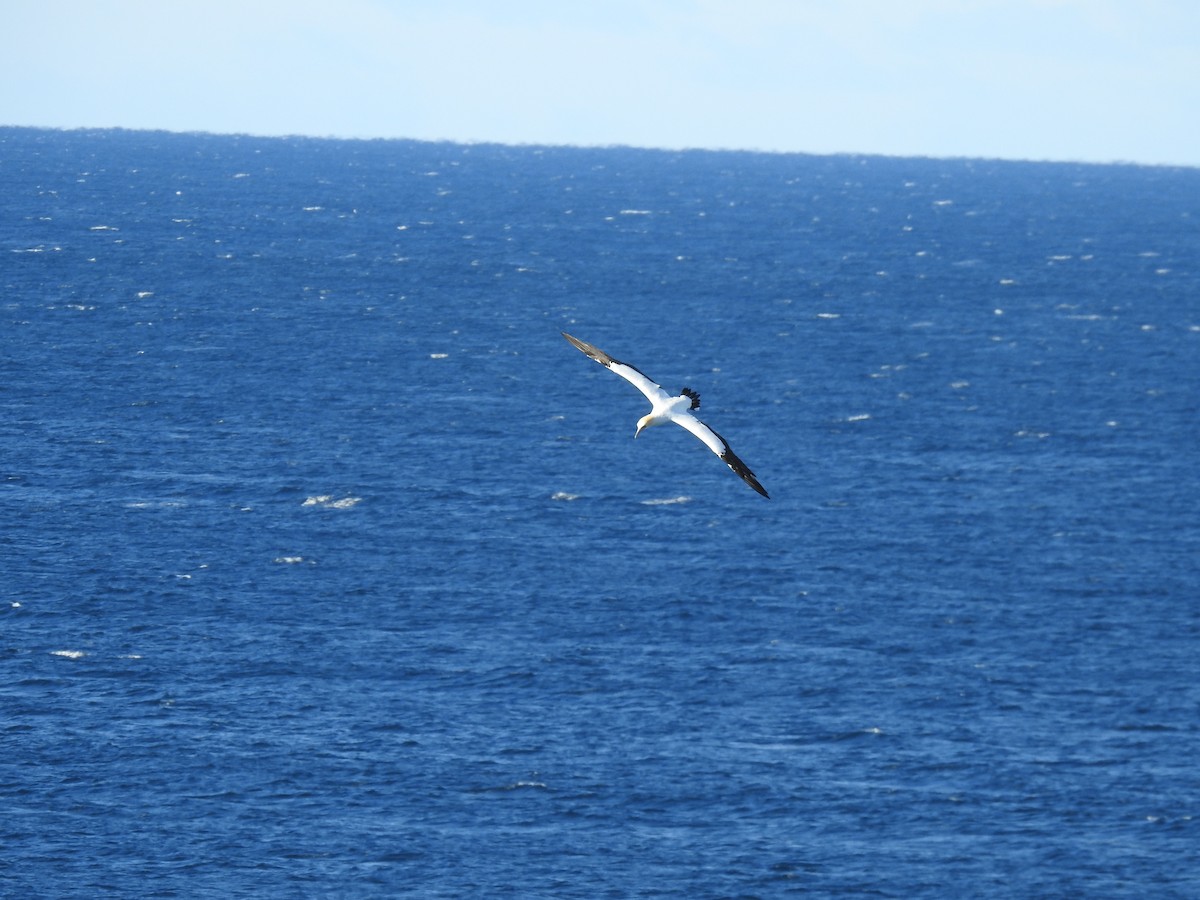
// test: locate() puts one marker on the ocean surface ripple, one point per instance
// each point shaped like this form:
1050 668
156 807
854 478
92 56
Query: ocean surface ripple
331 570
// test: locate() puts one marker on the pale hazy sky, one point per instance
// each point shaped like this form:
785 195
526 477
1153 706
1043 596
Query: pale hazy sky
1094 80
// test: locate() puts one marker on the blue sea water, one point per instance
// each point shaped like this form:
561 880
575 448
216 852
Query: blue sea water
331 569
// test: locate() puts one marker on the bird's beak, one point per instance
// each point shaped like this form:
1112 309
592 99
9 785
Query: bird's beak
636 433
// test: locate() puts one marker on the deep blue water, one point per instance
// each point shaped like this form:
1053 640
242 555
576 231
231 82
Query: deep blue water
330 569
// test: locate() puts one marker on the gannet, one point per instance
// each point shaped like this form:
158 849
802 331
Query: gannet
668 408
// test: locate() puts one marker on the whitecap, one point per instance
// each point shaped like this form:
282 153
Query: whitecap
563 495
666 501
328 502
289 560
68 654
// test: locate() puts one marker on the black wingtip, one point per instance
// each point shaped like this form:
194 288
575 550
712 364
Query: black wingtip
753 482
590 350
739 468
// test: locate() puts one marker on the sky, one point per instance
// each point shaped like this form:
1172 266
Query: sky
1085 80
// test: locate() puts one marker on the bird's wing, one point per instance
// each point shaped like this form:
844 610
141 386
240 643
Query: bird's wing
638 379
719 446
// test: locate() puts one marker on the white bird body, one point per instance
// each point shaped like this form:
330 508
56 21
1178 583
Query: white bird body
666 407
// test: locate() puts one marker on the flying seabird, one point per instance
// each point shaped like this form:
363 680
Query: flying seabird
668 408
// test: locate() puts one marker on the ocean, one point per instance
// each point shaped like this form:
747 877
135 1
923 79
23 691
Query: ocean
331 570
